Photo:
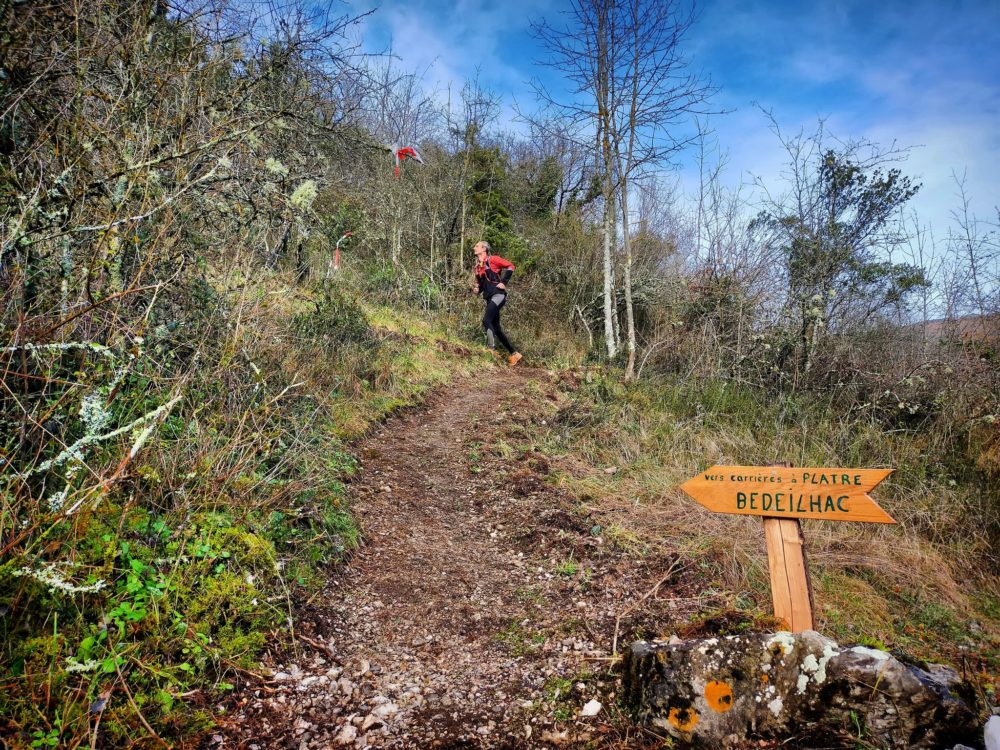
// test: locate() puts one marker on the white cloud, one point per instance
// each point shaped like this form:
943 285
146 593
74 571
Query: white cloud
914 74
968 146
447 43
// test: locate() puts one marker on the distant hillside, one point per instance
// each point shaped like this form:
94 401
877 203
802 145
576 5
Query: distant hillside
969 328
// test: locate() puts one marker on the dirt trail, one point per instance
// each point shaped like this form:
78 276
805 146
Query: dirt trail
480 609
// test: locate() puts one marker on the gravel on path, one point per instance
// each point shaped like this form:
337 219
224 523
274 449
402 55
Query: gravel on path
479 611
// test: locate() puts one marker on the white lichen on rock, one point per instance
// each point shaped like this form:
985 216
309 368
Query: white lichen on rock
870 653
802 683
778 679
784 639
815 667
828 653
776 705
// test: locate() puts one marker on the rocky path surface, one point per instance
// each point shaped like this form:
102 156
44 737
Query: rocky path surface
481 608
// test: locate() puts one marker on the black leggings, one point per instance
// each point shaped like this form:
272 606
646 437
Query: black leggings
491 323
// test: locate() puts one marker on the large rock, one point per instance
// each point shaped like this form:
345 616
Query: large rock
720 691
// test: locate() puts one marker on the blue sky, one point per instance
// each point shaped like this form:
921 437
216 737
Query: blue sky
925 74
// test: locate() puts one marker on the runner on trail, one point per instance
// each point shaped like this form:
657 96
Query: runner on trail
492 275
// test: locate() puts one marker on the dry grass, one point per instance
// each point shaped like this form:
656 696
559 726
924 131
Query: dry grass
920 584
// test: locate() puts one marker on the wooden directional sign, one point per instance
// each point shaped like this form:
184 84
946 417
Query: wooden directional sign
783 495
785 492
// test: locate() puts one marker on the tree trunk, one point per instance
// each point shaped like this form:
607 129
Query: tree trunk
625 170
616 319
603 95
461 237
629 312
609 326
301 261
397 230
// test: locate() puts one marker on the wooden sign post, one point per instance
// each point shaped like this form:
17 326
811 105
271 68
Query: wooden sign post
791 591
783 495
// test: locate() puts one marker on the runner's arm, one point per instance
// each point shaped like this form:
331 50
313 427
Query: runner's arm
504 267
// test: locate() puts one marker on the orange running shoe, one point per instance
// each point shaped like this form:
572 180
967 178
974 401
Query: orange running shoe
514 358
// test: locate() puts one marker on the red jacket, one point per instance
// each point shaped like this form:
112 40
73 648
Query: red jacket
491 272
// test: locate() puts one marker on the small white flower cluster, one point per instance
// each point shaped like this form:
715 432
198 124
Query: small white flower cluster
50 576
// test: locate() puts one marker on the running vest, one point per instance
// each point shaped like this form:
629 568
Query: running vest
489 278
492 277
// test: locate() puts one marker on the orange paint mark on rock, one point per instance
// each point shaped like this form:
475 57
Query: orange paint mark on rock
683 719
719 696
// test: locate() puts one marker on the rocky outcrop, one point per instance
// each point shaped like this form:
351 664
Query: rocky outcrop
720 691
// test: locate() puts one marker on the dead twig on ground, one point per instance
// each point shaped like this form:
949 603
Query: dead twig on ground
319 646
675 567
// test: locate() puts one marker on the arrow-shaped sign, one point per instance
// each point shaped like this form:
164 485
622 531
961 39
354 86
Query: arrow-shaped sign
782 492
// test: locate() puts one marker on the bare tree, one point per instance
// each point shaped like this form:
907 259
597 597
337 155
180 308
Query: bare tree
396 112
920 248
658 94
480 109
624 59
583 50
974 247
